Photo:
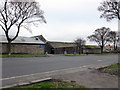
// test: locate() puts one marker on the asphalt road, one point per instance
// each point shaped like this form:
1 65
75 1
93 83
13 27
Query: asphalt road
12 67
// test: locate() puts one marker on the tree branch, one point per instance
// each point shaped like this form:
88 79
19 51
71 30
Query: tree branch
2 27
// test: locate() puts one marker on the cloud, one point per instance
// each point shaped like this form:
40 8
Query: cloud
70 31
57 5
69 19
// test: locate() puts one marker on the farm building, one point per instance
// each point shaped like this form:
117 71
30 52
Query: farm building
39 45
60 47
69 48
41 38
91 49
23 45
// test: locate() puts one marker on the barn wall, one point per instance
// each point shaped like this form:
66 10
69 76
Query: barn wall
48 48
23 49
58 50
69 50
91 51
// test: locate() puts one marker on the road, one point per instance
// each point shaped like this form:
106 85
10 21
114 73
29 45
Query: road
12 67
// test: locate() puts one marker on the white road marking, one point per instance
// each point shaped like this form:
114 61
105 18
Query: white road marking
99 60
84 66
43 72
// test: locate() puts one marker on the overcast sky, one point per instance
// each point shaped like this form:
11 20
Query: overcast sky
69 19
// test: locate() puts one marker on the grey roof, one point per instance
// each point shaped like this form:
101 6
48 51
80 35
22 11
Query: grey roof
20 39
61 44
91 47
41 38
70 44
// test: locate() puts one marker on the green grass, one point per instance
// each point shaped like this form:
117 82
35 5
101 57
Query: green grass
92 54
22 55
49 85
74 55
108 54
113 68
42 85
54 85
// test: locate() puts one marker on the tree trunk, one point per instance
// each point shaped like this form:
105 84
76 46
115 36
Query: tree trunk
101 49
114 47
82 50
79 50
9 47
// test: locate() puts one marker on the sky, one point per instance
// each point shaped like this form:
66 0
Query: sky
69 19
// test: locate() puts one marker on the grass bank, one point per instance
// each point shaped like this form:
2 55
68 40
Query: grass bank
92 54
51 84
21 55
112 69
74 55
108 54
54 85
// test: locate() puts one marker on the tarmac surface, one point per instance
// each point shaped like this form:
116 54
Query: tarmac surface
79 69
12 67
91 78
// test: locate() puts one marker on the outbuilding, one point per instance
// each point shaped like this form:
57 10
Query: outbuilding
60 47
91 49
23 45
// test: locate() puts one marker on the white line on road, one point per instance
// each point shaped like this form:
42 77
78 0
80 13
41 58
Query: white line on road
99 60
44 72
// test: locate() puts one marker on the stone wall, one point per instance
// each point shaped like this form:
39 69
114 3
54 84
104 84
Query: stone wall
92 51
69 50
23 49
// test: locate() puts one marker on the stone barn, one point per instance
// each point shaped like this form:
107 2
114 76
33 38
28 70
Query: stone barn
60 47
23 45
91 49
70 48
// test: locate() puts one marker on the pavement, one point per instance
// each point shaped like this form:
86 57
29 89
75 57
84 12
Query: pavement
90 78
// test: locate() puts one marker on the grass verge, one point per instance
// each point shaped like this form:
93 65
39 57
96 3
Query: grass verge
74 55
112 69
92 54
20 55
108 54
50 84
54 85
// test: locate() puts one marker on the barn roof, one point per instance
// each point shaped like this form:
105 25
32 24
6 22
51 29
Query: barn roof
20 39
69 44
91 47
61 44
41 38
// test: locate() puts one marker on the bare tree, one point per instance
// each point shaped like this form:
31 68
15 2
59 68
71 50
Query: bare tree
110 9
15 14
80 43
114 38
101 37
